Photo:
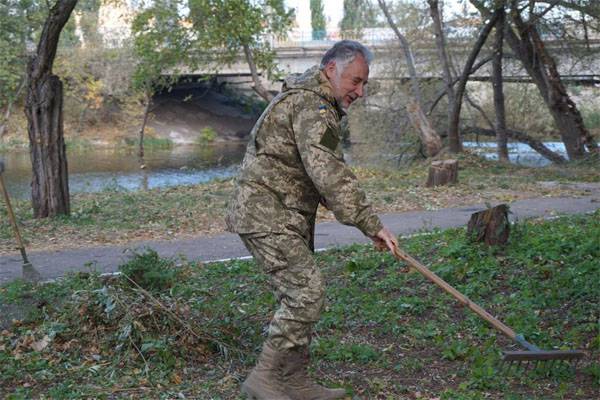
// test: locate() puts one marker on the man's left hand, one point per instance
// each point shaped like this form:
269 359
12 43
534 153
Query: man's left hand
385 240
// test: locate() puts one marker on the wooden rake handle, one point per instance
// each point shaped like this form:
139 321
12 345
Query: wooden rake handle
402 256
11 215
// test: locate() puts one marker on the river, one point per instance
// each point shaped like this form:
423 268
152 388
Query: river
93 170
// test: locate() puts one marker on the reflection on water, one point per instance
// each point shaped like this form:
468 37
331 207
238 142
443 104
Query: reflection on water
93 170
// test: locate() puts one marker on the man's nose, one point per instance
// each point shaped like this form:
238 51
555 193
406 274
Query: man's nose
360 90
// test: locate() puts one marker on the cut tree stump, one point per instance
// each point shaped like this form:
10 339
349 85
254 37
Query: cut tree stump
442 172
490 226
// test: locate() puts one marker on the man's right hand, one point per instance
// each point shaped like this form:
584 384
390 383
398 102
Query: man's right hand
385 240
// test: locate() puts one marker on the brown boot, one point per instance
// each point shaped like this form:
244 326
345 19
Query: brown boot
264 381
297 382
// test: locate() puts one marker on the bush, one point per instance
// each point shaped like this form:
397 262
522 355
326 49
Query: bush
207 135
150 271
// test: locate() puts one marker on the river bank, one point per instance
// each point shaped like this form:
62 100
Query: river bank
116 216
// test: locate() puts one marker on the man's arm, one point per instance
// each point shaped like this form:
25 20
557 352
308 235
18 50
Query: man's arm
316 131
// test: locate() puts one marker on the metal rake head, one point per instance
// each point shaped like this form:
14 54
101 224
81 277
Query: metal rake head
544 360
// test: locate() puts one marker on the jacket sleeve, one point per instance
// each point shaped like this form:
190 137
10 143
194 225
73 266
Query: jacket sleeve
317 133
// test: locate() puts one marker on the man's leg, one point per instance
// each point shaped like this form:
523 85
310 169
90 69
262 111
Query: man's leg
300 290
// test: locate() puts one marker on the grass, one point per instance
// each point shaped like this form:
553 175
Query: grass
384 334
118 216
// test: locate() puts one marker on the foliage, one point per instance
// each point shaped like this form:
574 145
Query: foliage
207 135
161 45
149 271
20 21
113 339
225 27
358 14
317 20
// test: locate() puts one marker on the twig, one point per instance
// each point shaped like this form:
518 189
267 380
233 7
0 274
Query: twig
180 321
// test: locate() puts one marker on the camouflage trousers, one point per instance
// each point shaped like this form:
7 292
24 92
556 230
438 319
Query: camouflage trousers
297 283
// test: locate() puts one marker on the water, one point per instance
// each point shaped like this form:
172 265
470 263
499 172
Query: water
93 170
518 153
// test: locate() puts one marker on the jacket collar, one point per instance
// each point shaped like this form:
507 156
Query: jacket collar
315 81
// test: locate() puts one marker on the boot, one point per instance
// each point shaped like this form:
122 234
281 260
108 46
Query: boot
297 382
264 382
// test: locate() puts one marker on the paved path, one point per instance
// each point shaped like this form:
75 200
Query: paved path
53 264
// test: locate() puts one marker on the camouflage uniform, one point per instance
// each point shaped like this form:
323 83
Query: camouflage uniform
294 159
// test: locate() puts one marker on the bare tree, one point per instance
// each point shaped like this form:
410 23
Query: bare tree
440 42
429 137
525 42
453 131
44 110
500 125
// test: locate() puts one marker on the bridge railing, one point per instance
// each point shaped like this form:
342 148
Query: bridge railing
302 38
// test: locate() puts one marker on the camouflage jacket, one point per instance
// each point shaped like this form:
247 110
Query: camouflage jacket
293 159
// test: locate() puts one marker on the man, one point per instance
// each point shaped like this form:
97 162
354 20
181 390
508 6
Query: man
293 162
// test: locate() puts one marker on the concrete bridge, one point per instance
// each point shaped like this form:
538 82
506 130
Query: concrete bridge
578 62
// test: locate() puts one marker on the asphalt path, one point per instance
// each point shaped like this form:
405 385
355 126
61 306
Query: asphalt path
106 259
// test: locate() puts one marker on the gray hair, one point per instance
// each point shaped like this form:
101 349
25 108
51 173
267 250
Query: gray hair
344 52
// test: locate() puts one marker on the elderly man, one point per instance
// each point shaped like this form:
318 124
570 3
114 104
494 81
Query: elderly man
294 162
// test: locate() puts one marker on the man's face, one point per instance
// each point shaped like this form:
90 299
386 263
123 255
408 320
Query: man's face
348 85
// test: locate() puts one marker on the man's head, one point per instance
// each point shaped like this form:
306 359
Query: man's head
346 66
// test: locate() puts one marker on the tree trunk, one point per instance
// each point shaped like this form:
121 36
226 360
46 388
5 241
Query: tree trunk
500 125
443 172
429 137
453 129
490 226
43 107
440 43
143 127
530 49
258 87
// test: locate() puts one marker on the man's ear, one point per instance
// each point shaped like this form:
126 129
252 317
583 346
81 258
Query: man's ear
330 69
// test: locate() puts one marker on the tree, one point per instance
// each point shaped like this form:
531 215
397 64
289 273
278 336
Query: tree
440 42
19 20
429 137
162 45
224 28
500 125
453 130
523 36
317 19
358 14
49 186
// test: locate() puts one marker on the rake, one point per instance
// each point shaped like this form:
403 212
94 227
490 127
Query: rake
28 271
532 354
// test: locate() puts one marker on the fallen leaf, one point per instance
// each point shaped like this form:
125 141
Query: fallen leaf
40 344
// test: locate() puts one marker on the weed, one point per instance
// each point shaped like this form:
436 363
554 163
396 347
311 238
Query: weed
150 271
207 135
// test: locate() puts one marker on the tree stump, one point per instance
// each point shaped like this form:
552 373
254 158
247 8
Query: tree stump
490 226
442 172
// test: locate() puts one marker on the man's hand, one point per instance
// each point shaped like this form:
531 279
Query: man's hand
385 240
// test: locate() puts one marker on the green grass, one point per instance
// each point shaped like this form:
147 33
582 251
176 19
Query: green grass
397 333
